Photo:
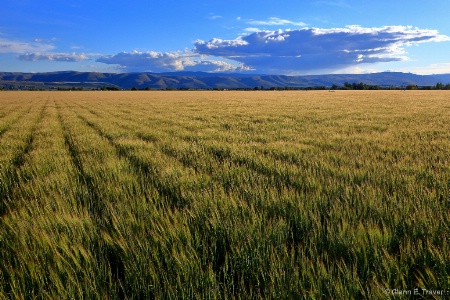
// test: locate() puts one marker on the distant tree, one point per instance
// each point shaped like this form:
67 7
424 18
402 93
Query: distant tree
134 88
334 87
347 86
358 86
439 86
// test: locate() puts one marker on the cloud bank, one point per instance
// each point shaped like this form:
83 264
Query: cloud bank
8 46
63 57
313 49
276 22
298 51
166 61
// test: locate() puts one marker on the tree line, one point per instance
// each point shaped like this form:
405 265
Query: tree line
363 86
346 86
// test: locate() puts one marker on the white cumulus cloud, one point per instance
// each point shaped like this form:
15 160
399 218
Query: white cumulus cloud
312 49
166 61
290 51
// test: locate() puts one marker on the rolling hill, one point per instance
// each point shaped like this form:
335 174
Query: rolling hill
201 80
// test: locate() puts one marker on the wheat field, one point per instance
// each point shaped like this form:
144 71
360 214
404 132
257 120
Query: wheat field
224 195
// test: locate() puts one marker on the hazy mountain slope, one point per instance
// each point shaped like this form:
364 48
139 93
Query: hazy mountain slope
201 80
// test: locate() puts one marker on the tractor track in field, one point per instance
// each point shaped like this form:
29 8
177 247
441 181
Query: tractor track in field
276 177
88 194
90 198
12 173
167 190
7 126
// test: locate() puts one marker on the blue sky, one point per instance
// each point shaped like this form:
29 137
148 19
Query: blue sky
265 37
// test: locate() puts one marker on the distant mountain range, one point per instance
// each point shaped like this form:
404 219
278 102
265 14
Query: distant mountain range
201 80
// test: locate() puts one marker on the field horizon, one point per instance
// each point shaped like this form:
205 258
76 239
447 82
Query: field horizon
225 194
